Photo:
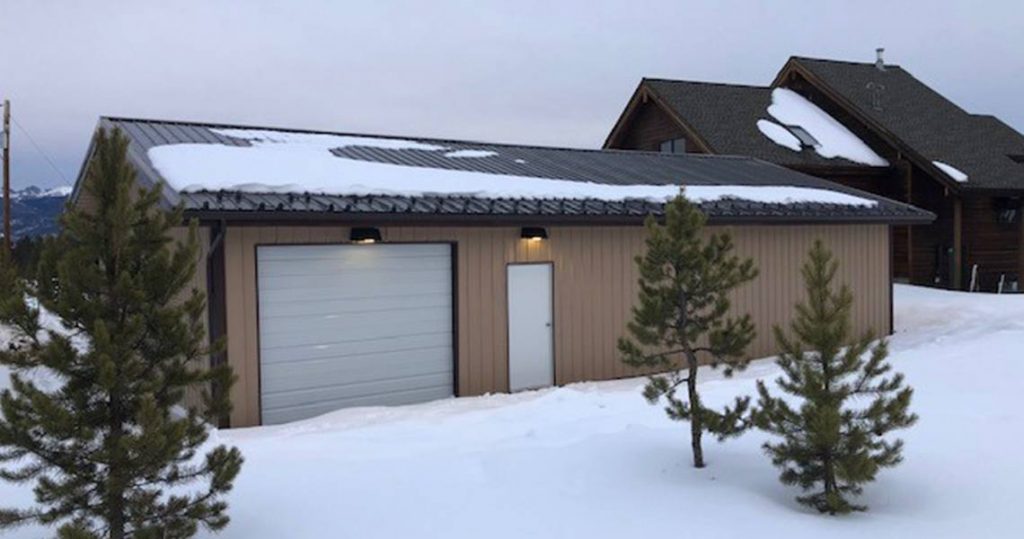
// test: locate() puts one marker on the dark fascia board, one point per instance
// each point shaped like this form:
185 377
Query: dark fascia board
267 218
643 90
145 175
851 170
624 117
793 65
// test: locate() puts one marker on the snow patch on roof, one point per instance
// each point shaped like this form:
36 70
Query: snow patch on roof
300 163
470 154
951 171
322 141
779 135
791 108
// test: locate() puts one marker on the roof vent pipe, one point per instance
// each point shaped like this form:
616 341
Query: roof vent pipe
879 60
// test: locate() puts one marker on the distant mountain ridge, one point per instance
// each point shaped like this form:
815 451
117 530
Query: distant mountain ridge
34 210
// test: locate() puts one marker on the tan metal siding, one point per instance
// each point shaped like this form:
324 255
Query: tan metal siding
595 285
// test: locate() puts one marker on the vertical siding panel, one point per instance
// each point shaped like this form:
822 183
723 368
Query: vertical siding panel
595 287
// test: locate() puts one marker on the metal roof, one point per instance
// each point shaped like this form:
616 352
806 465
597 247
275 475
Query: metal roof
598 166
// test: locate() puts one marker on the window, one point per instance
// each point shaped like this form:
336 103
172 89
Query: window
1007 210
805 138
674 146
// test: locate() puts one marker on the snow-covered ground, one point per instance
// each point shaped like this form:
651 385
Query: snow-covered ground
594 460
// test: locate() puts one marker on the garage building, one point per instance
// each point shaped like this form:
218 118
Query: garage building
353 270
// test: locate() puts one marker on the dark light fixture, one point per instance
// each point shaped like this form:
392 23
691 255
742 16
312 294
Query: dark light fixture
367 234
534 233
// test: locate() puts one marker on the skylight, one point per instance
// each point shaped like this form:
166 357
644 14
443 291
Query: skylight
806 139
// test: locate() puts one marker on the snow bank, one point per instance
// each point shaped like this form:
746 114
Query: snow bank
951 171
791 108
595 460
779 135
296 162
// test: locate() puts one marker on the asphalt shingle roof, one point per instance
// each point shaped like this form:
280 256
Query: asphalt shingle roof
598 166
910 111
726 116
931 125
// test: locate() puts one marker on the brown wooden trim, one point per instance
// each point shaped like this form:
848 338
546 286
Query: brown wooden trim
690 131
958 248
455 317
508 322
455 305
641 95
892 280
615 134
823 170
216 306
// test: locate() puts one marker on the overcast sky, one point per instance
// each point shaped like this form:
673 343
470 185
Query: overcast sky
553 72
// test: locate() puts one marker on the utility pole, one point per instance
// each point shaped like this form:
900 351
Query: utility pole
7 179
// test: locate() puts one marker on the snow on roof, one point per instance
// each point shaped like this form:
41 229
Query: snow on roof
791 108
779 135
951 171
471 153
287 162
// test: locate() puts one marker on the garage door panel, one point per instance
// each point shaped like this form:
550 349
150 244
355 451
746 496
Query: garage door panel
326 332
355 348
353 252
314 266
387 365
393 280
328 306
347 325
281 412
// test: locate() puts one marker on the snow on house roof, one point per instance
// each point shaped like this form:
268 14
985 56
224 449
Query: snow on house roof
951 171
224 168
835 140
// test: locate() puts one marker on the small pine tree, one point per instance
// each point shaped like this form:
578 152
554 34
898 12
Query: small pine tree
685 281
826 444
112 450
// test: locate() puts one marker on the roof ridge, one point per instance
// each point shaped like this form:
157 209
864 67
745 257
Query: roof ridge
704 83
417 138
849 62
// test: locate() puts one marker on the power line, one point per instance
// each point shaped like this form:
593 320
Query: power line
41 152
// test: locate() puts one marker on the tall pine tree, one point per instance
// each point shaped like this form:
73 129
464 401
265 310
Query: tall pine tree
830 445
682 317
113 449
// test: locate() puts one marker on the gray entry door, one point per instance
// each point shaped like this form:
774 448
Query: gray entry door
353 325
531 360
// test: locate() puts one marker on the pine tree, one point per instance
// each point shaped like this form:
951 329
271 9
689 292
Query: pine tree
113 450
829 444
682 317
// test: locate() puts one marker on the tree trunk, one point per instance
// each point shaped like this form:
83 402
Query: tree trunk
696 425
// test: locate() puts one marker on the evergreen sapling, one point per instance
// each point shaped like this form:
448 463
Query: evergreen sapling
112 450
831 444
682 317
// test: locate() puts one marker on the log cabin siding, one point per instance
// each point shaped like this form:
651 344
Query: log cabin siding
595 284
649 127
994 247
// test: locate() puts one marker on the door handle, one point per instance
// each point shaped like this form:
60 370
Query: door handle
547 324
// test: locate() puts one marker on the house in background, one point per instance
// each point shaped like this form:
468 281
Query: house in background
872 126
353 270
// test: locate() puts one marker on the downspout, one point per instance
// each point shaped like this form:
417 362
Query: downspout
217 305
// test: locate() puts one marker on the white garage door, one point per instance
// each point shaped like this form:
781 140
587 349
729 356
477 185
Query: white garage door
353 325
